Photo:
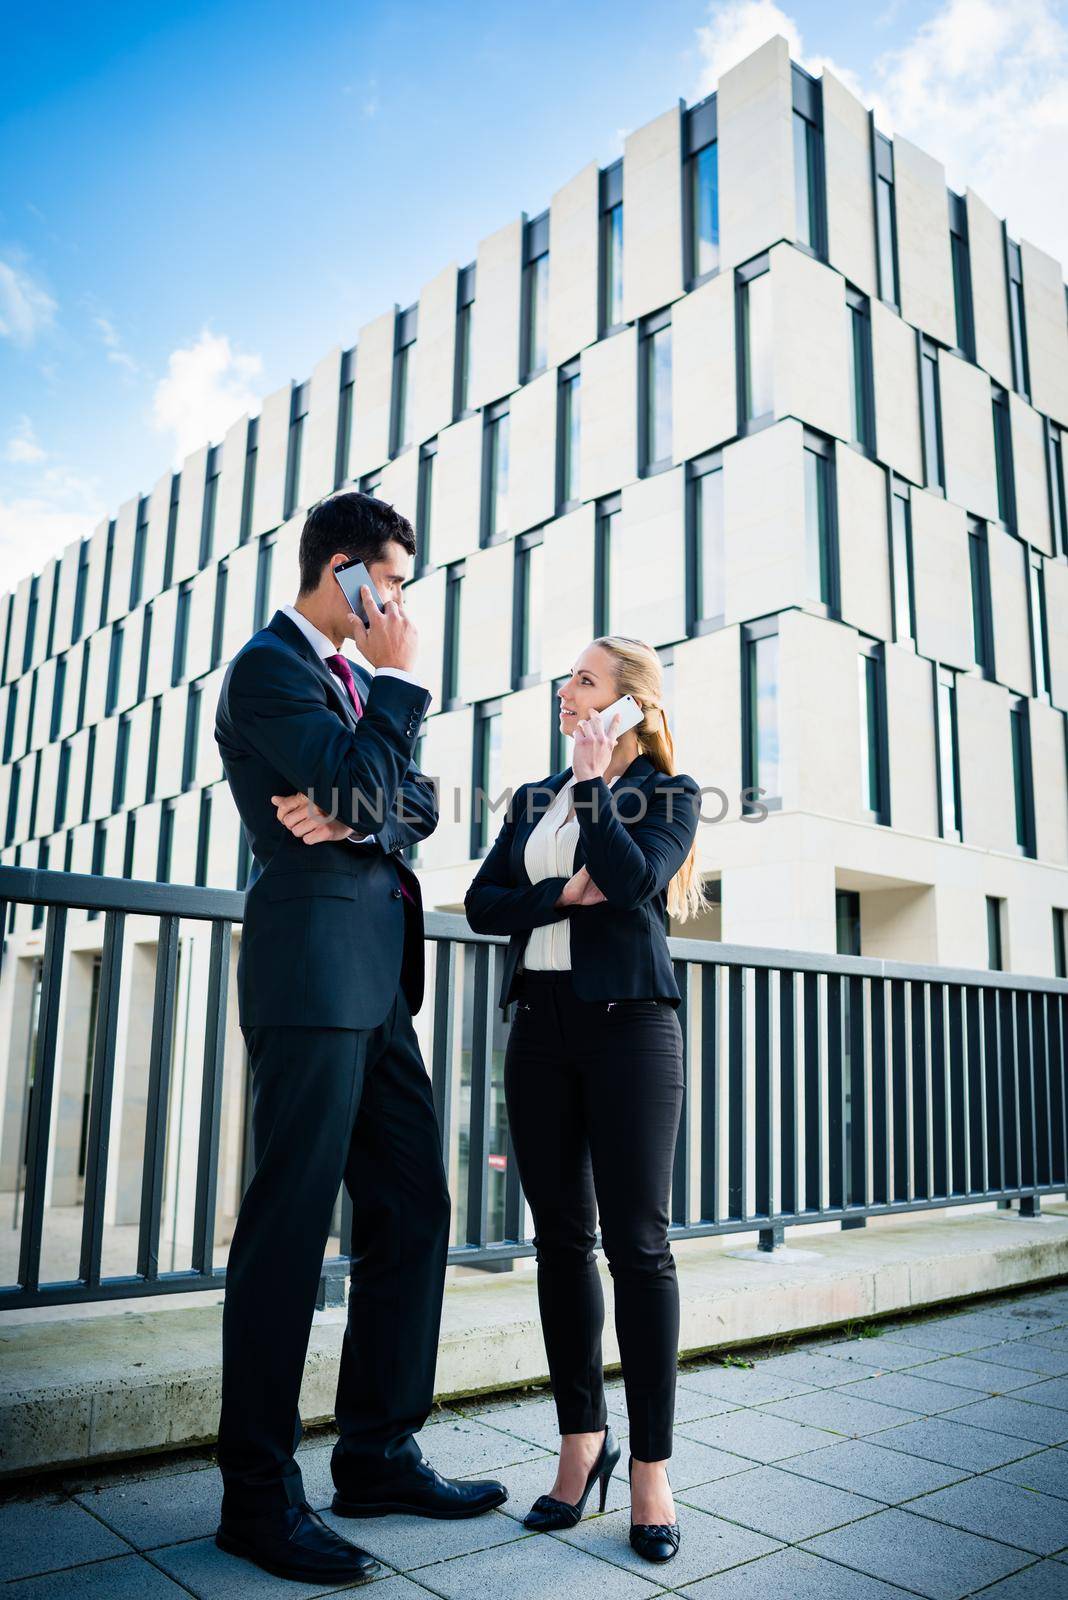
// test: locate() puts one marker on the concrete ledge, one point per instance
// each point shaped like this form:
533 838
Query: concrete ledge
91 1388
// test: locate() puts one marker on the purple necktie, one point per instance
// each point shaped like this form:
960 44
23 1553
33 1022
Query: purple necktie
341 669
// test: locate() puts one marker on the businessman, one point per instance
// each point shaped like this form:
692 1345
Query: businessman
329 975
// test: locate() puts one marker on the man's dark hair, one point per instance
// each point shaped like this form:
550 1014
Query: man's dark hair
356 523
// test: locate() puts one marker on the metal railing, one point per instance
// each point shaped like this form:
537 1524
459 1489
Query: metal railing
818 1088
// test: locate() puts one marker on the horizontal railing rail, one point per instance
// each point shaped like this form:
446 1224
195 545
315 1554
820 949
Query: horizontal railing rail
818 1088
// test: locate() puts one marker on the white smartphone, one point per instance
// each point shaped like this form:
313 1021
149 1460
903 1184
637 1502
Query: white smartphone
630 714
350 575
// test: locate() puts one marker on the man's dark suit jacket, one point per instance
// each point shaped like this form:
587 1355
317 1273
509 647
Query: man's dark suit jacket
633 838
327 933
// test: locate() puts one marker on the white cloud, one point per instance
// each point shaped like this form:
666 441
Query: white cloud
58 508
117 355
24 448
26 307
979 85
207 387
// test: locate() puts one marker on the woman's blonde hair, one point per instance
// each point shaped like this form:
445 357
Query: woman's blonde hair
638 672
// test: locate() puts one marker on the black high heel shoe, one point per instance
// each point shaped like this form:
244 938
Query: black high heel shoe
656 1541
547 1513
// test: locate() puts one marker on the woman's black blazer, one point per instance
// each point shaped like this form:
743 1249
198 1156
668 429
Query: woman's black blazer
633 838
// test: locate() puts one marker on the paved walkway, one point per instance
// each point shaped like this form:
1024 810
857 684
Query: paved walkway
930 1459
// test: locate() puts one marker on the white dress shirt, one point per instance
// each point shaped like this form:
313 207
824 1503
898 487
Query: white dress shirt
550 853
325 647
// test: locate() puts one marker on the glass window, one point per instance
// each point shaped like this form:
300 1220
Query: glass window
1058 507
248 487
489 775
818 561
569 438
219 618
612 248
181 634
758 346
114 667
901 566
537 310
1003 459
263 582
192 735
296 449
962 295
1021 777
982 621
1039 628
451 670
533 580
656 384
607 585
345 415
860 380
495 513
463 360
704 211
1060 942
707 491
993 932
207 520
137 566
871 776
806 181
122 751
425 494
401 408
1021 378
932 420
59 685
847 922
763 716
948 754
62 787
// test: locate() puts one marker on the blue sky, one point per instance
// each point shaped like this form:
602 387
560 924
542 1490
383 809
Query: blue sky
197 201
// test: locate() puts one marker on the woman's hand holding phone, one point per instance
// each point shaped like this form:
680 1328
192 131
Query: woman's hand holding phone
593 745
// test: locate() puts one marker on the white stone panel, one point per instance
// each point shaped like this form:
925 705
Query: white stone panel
532 452
608 449
925 267
190 516
457 490
910 719
1029 474
704 391
811 342
433 380
400 483
495 318
229 492
819 716
942 581
708 697
863 543
486 623
968 436
1009 606
1047 331
574 242
121 560
986 255
648 548
68 581
373 394
240 599
652 215
568 550
850 209
161 644
897 402
318 455
272 452
526 727
171 742
764 522
986 786
447 756
159 504
424 599
754 108
1051 791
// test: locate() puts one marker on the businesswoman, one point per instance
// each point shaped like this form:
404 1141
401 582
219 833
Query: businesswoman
579 876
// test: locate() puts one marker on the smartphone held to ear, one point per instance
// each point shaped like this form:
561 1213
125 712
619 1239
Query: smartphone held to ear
351 575
630 714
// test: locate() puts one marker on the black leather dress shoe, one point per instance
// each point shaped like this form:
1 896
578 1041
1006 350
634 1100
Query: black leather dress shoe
422 1492
296 1543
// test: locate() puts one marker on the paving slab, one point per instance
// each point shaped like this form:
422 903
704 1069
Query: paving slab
999 1510
1043 1581
923 1396
1019 1418
741 1386
128 1577
982 1377
781 1505
1049 1392
939 1562
757 1436
886 1475
821 1372
159 1511
943 1439
842 1411
543 1568
49 1532
404 1543
1030 1357
708 1545
1046 1471
213 1574
793 1575
885 1355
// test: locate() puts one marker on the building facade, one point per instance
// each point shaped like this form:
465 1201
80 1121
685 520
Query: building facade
765 393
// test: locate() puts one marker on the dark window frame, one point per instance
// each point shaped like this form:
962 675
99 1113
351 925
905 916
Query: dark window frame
750 635
899 489
649 330
931 414
607 507
873 652
697 469
525 543
610 197
981 595
944 678
807 107
822 448
700 134
743 277
406 331
492 416
569 384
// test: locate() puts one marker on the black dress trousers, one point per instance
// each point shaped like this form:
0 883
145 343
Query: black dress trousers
594 1092
333 1105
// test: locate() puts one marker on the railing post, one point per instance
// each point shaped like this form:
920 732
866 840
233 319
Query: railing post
1031 1206
771 1238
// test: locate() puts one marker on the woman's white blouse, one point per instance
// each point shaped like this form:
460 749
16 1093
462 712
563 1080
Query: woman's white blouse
550 853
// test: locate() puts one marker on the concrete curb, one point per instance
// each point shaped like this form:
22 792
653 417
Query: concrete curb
87 1389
